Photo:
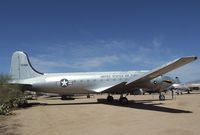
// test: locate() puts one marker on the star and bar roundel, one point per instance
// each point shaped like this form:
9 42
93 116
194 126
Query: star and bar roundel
65 82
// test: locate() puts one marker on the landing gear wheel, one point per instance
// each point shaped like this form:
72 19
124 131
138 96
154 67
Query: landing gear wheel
123 100
161 97
110 99
63 97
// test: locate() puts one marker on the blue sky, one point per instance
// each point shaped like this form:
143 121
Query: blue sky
101 35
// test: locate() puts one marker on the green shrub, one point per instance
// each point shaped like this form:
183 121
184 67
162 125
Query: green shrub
10 95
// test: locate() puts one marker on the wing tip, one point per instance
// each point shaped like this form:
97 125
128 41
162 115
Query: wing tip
190 57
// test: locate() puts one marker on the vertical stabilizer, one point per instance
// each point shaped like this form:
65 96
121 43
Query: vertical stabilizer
21 67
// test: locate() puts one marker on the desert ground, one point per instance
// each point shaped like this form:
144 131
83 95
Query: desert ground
144 115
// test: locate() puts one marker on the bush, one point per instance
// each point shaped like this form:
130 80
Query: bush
10 95
5 109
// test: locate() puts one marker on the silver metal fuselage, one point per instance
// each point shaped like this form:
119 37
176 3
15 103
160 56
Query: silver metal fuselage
88 82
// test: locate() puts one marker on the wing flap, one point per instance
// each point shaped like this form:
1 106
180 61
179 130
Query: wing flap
110 89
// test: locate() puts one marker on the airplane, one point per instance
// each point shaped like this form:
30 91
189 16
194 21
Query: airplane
115 82
184 87
194 86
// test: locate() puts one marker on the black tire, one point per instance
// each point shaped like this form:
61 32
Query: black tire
123 100
63 97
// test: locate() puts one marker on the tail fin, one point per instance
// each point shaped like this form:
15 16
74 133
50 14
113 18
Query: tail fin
21 67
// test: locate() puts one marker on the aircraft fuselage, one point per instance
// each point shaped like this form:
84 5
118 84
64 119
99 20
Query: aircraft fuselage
88 82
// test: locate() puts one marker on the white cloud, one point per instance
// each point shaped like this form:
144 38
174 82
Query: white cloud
96 54
79 55
81 64
95 62
101 55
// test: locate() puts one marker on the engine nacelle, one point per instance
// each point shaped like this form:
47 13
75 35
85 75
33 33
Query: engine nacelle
161 83
137 92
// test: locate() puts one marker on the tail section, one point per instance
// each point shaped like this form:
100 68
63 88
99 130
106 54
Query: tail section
21 67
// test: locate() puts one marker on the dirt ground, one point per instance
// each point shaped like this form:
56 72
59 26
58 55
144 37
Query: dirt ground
144 115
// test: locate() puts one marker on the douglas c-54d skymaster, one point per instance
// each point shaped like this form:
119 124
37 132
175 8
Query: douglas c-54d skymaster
122 82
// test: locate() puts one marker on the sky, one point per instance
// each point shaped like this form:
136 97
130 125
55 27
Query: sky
101 35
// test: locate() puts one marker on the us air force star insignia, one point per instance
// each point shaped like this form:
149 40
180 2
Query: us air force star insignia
64 82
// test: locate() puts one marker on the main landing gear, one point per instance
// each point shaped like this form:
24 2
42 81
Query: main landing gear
110 98
123 100
67 97
161 97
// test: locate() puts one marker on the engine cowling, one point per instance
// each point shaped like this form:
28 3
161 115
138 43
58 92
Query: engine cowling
161 83
137 92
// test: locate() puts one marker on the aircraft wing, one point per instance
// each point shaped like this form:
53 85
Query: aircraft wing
161 70
111 88
133 83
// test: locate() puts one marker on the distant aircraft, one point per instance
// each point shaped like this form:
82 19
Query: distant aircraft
121 82
194 86
184 87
